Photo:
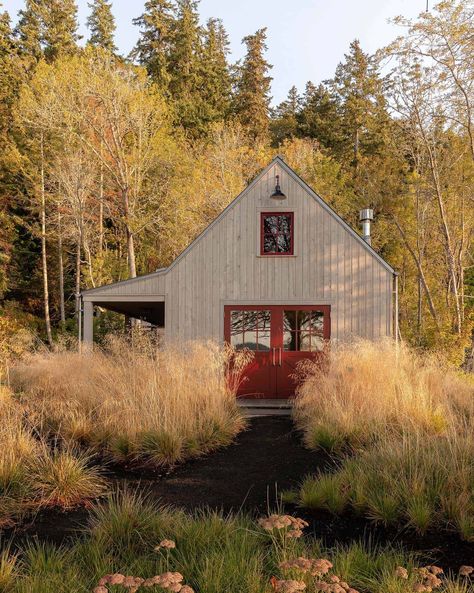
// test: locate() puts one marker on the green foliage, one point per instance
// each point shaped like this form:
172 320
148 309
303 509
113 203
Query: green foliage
213 552
399 143
252 97
101 23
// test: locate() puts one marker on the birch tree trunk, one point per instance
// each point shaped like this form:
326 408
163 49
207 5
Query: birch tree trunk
130 239
44 260
78 276
62 309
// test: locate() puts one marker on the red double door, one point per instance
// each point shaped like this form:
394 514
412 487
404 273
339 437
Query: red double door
280 337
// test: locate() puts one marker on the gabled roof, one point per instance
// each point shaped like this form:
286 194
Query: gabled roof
277 160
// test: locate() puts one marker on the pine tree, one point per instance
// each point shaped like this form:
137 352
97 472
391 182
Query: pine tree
28 32
101 24
357 88
185 74
285 117
9 85
252 98
154 45
59 27
319 117
215 73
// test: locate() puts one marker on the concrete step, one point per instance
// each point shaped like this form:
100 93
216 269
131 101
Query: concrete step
265 407
259 412
261 403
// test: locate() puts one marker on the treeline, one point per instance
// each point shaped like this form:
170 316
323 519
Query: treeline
111 164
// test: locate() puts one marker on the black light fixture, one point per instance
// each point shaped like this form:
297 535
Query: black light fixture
278 194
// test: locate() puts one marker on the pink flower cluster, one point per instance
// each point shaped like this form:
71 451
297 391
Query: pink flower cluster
427 578
293 525
165 544
171 581
282 586
315 567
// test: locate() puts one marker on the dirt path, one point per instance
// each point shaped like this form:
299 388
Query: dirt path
265 460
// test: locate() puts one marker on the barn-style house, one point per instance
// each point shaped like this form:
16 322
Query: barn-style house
278 272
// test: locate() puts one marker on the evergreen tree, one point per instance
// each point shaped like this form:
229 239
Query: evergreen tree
59 27
101 23
285 117
319 116
154 45
252 98
28 32
215 73
357 88
10 81
184 67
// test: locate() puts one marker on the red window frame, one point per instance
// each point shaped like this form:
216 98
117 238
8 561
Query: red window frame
262 234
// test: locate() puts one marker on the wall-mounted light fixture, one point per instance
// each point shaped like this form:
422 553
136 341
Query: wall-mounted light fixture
278 194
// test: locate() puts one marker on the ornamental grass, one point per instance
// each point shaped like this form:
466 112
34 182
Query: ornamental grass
34 474
120 552
140 404
369 389
400 425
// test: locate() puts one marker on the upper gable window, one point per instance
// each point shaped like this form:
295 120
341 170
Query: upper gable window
277 233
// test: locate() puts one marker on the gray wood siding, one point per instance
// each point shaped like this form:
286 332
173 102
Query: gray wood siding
329 266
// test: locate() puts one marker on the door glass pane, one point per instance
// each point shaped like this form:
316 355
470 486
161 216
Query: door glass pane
290 341
289 320
304 320
250 329
303 331
236 333
317 322
305 342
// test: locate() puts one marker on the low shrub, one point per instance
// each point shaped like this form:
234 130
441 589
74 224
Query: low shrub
135 405
134 545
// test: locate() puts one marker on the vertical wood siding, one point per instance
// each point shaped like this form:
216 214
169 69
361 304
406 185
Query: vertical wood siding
329 266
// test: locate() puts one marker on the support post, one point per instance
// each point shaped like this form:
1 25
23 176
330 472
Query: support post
88 324
396 329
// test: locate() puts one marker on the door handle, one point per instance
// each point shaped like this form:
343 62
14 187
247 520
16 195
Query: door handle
279 351
273 356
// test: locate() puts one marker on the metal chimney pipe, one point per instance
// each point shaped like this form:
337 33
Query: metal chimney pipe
366 216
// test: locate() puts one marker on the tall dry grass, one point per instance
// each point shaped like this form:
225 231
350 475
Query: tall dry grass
32 475
138 404
404 425
369 388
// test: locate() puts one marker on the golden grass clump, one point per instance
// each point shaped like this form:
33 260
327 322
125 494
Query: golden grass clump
135 404
406 422
374 387
32 475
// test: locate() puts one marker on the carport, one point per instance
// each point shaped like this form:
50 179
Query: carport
145 308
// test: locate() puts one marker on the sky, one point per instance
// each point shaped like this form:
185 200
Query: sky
306 38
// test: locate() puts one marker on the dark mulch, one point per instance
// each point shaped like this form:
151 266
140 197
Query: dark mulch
265 460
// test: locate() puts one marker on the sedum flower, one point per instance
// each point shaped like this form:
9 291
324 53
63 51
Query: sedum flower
101 589
166 544
288 586
401 572
466 571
